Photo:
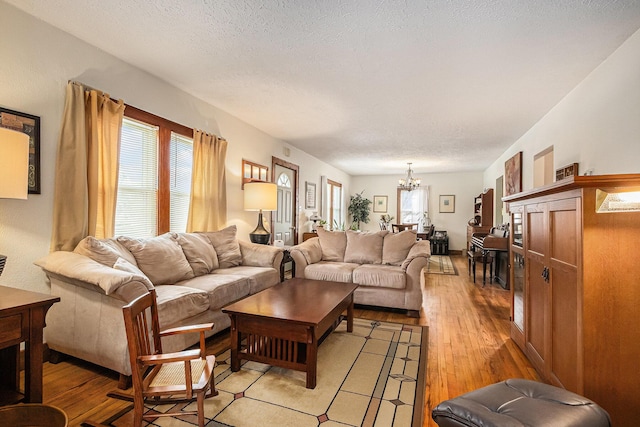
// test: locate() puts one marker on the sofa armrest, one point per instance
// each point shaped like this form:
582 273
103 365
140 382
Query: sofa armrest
307 252
76 267
421 249
256 255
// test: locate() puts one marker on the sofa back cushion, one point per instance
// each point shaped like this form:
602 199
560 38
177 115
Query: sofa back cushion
199 251
396 247
160 258
226 246
104 251
364 247
333 244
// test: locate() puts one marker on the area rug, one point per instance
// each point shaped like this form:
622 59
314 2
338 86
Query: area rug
371 377
441 264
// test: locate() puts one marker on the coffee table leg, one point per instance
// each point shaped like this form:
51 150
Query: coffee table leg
312 358
235 345
350 316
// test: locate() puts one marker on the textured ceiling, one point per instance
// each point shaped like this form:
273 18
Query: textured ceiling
365 85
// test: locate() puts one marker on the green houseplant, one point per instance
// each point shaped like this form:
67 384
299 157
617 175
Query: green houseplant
359 209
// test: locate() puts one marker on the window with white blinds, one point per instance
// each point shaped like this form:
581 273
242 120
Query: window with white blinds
181 159
136 209
154 185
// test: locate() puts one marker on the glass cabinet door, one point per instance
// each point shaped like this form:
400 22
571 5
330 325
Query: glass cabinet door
517 264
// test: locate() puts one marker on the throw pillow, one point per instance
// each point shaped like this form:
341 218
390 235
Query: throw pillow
160 258
333 244
226 245
199 252
396 247
364 247
124 265
97 250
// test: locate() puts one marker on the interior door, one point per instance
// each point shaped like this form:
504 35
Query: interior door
285 218
283 221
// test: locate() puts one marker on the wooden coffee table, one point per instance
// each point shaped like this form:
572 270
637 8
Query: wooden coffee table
284 325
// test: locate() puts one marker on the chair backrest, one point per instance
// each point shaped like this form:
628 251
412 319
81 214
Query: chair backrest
402 227
143 331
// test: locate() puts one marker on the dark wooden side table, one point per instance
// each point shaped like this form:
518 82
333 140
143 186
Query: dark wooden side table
22 319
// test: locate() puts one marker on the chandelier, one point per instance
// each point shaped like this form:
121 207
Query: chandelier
408 183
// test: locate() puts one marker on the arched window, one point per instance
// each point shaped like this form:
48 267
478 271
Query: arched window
284 181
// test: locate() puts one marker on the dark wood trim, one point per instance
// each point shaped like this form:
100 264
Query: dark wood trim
296 174
144 116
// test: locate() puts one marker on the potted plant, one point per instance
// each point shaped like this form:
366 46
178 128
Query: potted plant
359 209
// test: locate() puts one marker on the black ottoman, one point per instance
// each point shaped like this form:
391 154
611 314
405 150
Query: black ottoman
518 402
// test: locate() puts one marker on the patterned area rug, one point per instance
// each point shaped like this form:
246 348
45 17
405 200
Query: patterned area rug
373 376
441 264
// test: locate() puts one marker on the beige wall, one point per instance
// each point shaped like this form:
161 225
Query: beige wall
38 60
596 125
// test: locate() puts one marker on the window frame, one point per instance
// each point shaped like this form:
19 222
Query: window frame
165 128
332 202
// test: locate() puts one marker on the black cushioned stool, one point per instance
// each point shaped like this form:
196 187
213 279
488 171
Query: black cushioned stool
518 402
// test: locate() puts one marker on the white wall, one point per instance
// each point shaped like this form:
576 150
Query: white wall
465 186
38 60
596 125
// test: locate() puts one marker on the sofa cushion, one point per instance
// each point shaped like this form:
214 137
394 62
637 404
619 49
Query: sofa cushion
99 251
364 247
333 244
199 252
226 245
310 250
160 258
382 276
396 247
222 289
176 303
331 271
260 278
124 265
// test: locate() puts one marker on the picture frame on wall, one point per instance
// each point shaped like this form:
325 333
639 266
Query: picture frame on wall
29 124
447 203
310 195
380 204
513 175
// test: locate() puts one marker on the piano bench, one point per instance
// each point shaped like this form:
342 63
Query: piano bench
485 258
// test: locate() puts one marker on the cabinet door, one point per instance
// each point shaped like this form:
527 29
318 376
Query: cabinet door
565 364
537 334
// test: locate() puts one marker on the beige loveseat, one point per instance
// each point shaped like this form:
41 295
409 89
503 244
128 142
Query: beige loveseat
386 266
194 275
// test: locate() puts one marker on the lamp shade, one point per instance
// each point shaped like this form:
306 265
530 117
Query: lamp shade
260 196
14 164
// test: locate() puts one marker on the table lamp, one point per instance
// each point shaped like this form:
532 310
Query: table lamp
14 168
260 196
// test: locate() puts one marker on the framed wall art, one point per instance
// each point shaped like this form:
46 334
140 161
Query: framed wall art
30 125
380 204
513 175
567 171
310 195
447 203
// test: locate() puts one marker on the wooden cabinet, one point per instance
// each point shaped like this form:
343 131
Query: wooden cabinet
482 214
483 209
574 290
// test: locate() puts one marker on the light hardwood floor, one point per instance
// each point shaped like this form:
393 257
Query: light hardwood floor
469 347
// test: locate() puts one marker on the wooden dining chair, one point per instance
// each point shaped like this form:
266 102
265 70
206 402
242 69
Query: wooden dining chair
396 228
161 378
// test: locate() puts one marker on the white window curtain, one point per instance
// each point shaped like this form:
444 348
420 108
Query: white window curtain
414 207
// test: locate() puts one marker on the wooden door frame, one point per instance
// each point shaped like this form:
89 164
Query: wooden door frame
296 172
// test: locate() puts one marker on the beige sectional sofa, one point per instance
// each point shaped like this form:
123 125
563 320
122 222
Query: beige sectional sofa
194 275
386 266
